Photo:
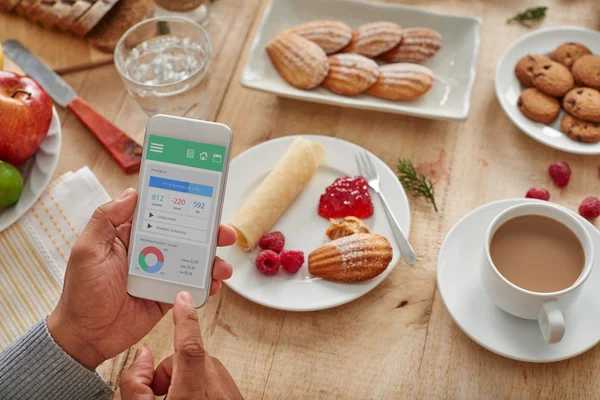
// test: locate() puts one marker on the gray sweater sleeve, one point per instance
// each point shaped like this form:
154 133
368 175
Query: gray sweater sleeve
35 367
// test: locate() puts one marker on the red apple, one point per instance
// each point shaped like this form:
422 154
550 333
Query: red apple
25 116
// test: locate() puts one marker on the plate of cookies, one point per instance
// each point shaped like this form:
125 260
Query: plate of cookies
548 84
310 235
367 55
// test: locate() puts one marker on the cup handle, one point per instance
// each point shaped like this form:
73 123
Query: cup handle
552 323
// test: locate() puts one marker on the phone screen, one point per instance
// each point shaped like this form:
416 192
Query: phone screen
177 206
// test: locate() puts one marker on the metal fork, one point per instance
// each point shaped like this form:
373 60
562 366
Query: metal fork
369 172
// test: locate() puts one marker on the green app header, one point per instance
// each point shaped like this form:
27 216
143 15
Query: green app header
185 152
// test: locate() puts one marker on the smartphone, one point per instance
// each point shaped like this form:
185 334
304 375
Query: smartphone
176 222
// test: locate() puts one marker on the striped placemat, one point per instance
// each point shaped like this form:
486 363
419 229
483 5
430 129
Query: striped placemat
34 250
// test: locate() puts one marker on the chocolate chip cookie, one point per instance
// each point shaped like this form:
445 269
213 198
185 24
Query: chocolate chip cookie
524 68
568 53
552 78
586 71
538 106
583 103
580 130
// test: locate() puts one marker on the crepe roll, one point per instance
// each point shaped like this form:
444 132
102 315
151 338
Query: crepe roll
277 192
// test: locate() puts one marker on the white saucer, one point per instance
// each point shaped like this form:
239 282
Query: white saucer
303 228
459 262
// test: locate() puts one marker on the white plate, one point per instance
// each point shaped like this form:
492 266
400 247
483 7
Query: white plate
508 88
37 173
454 65
303 228
459 262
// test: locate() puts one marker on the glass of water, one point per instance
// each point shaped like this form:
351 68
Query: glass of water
165 63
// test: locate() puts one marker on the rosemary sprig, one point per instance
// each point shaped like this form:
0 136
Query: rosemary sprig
416 183
529 16
163 28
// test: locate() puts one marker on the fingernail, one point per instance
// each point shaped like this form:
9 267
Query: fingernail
185 296
137 353
125 193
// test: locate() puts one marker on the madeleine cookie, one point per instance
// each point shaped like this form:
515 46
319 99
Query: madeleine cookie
351 259
583 103
586 71
350 74
538 106
299 61
332 36
524 68
402 81
552 78
568 53
371 40
417 45
580 130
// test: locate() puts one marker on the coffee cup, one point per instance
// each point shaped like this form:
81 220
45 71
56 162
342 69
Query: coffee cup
515 228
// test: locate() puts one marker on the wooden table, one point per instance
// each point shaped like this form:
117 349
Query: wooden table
398 341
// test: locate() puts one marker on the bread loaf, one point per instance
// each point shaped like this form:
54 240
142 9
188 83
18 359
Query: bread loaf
119 19
8 5
78 8
90 18
49 12
80 17
25 5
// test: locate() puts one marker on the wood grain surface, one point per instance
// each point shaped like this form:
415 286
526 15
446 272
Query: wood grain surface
398 341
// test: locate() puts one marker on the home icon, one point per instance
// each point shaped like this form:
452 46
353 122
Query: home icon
204 156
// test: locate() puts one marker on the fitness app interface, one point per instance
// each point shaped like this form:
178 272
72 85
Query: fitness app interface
177 210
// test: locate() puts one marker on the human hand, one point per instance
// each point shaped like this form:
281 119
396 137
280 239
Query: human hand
96 319
189 374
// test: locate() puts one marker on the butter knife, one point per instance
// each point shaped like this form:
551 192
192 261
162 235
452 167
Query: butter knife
122 148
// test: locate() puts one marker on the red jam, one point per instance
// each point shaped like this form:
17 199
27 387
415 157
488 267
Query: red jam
347 196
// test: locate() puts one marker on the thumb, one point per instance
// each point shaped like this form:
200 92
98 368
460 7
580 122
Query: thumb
102 227
136 381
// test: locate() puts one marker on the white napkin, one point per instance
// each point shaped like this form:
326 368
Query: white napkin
34 250
59 216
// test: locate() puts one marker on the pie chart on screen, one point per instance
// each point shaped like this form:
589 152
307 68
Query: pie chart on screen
151 259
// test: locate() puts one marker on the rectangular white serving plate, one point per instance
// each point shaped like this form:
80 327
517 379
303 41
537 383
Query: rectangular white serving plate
454 65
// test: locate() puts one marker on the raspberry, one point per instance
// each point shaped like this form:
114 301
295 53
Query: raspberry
292 260
272 241
590 207
268 262
560 173
538 193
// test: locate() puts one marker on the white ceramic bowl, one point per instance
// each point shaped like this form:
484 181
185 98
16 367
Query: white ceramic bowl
508 88
37 173
459 284
454 65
